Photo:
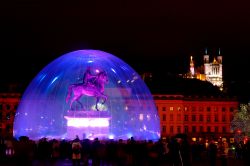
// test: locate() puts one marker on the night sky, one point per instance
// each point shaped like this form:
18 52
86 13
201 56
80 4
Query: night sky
156 35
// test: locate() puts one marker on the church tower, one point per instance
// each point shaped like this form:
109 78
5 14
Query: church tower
191 67
210 71
219 59
213 70
206 63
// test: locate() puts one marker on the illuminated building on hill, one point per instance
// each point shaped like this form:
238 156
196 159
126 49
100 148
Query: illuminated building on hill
209 71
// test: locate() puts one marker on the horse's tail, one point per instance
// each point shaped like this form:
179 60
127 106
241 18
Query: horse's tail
69 93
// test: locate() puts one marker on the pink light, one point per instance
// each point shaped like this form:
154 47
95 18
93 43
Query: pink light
87 122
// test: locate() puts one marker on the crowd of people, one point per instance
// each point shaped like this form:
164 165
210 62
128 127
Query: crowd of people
175 151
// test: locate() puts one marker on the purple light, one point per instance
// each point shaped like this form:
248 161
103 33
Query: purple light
128 111
87 122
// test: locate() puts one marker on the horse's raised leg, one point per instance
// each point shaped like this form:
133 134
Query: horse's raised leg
71 102
104 98
96 104
75 98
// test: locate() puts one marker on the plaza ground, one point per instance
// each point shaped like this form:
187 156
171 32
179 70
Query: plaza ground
68 162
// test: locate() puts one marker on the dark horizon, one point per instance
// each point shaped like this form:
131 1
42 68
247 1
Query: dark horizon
149 36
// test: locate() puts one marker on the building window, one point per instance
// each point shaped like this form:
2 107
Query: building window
231 109
171 117
163 108
185 129
201 129
216 129
201 118
193 118
185 117
8 116
223 118
216 117
164 129
171 108
224 129
200 108
164 117
223 109
208 129
8 127
208 109
215 109
179 117
171 129
193 129
185 109
193 109
208 118
178 129
1 116
179 108
8 107
1 106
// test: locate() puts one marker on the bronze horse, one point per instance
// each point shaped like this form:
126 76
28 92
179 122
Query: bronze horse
94 88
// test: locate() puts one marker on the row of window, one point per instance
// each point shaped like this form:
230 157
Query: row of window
7 129
8 107
194 129
208 109
195 118
7 116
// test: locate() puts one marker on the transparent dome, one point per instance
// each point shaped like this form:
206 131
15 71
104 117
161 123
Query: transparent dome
128 109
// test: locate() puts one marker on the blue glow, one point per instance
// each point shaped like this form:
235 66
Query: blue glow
113 70
54 80
43 111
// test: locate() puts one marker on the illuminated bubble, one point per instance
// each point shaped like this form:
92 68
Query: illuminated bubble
128 111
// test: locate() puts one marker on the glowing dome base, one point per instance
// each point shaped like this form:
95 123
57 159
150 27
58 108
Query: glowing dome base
90 123
87 93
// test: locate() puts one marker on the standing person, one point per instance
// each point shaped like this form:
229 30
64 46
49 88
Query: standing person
185 151
223 151
55 150
212 152
96 146
247 153
76 152
174 152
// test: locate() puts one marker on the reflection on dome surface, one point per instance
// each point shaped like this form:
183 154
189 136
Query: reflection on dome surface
125 107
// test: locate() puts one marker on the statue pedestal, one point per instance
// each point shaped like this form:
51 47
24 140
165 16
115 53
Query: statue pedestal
89 124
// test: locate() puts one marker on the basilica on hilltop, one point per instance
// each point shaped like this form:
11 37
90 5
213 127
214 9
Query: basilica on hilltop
210 71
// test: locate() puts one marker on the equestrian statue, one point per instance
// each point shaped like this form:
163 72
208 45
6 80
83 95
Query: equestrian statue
92 85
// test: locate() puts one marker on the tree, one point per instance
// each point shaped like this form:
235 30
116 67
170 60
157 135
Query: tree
241 122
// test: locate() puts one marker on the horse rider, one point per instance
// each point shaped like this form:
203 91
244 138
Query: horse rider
88 78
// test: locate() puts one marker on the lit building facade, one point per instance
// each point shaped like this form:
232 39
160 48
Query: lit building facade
210 71
196 116
213 70
8 106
